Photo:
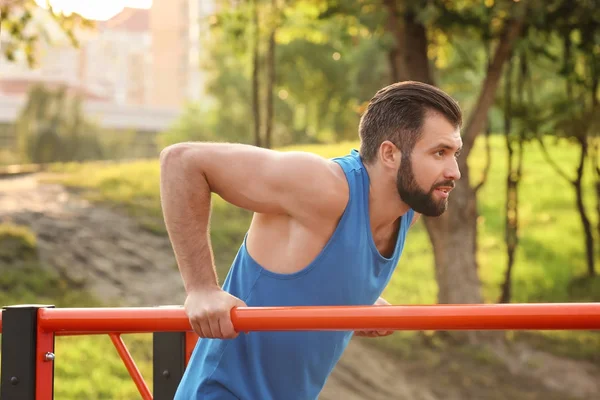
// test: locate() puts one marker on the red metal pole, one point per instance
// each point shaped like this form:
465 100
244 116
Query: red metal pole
0 321
435 317
109 320
133 370
553 316
44 365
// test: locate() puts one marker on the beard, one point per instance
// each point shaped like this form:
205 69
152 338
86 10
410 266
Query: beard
419 200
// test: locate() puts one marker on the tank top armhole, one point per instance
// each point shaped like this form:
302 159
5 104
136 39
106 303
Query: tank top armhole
350 174
337 232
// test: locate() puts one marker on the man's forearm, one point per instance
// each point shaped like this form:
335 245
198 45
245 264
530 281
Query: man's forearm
185 201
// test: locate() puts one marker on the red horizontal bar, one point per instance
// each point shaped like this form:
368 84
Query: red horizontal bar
549 316
113 320
435 317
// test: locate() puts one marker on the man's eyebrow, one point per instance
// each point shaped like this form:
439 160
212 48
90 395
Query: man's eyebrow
446 146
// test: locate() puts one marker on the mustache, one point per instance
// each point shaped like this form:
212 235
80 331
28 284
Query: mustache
449 184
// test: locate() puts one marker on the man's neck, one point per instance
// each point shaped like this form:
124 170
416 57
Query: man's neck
385 205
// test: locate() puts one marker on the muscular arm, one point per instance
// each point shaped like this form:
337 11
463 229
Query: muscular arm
301 185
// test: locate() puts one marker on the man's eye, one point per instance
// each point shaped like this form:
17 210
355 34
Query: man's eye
440 153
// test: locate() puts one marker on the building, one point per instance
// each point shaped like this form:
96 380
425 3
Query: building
178 28
136 70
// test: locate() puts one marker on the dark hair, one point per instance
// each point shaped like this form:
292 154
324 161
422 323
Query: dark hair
396 113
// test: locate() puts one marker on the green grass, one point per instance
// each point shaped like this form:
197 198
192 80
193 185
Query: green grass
550 264
87 367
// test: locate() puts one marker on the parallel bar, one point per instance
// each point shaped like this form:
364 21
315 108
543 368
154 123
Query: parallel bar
435 317
108 320
552 316
133 370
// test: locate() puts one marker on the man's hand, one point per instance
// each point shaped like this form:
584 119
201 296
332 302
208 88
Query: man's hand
209 312
380 302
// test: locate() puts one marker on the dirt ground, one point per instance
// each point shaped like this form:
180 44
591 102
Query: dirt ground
108 253
93 246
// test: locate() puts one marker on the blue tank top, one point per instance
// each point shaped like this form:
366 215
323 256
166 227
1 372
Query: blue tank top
295 365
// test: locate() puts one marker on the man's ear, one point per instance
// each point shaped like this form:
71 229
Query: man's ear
389 155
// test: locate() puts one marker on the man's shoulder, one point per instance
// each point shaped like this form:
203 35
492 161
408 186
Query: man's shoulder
337 190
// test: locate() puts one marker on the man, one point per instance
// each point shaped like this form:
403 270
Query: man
324 232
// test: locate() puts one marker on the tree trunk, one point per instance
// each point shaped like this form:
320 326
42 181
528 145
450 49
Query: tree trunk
582 137
510 231
454 234
415 54
595 156
478 117
455 247
271 75
513 179
597 185
408 57
396 55
255 73
587 226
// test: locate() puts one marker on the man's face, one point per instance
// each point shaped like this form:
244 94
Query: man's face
426 176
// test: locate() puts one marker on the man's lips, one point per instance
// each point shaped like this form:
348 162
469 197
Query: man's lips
444 189
446 186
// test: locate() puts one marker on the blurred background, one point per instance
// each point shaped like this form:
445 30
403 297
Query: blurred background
91 91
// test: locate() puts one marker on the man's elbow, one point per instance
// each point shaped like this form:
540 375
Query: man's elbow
179 156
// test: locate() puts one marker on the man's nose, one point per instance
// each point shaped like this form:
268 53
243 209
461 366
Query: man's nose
453 172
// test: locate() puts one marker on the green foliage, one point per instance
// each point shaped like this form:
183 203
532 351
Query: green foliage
23 278
121 144
196 124
326 69
28 282
20 19
16 242
332 55
51 127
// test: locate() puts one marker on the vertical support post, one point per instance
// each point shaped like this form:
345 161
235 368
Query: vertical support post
22 356
191 338
168 363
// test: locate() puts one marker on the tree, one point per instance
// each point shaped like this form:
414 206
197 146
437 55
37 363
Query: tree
255 73
51 127
244 22
271 73
17 18
412 25
301 78
514 169
454 234
574 26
